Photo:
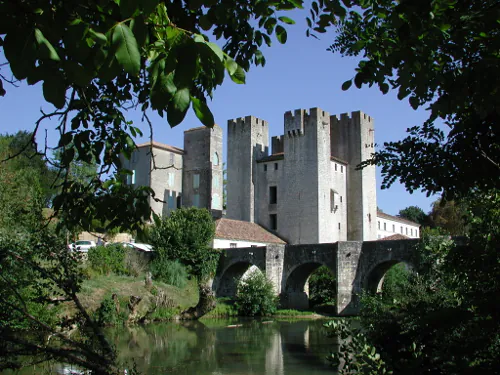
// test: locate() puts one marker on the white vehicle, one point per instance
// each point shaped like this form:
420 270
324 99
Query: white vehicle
138 246
82 246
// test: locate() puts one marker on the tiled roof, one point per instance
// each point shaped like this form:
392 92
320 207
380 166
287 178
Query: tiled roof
394 237
245 231
162 146
396 218
277 156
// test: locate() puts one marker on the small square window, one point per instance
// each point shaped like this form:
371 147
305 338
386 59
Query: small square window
275 166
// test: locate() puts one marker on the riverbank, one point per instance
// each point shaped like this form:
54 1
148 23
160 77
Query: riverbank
118 300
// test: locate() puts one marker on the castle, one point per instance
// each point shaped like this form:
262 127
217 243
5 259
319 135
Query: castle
305 188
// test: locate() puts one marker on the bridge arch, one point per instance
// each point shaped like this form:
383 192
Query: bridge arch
295 294
374 279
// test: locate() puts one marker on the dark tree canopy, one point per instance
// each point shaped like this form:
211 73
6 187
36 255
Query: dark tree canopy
415 214
97 59
441 55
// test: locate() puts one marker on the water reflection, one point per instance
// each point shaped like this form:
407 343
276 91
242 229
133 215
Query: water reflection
222 348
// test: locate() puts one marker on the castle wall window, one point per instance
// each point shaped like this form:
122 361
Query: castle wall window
131 178
196 181
273 221
215 182
333 203
179 202
171 200
196 200
275 166
216 158
273 195
171 179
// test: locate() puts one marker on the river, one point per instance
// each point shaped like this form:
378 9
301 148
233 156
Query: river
221 347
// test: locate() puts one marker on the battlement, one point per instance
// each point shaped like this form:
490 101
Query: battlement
353 116
246 121
277 144
296 122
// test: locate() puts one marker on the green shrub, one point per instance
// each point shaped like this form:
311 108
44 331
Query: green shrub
322 286
168 271
255 295
107 259
111 311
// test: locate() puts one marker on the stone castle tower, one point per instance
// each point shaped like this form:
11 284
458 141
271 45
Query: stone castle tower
308 189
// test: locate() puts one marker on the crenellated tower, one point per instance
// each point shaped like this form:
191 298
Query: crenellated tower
353 140
248 141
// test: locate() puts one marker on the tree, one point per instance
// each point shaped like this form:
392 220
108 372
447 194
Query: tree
96 59
442 55
449 216
415 214
186 236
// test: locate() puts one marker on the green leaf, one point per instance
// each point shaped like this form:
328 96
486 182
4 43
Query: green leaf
46 48
203 112
346 85
286 20
205 23
414 102
230 65
77 73
127 51
178 107
238 76
218 52
54 91
281 34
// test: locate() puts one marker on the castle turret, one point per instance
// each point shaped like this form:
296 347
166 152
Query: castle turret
203 181
353 140
248 141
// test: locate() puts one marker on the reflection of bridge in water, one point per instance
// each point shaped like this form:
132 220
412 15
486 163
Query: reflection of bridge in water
357 266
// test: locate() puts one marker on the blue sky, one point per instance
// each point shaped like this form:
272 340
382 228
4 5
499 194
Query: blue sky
299 74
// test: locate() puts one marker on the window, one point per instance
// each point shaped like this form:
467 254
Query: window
171 179
265 167
196 181
273 221
275 166
171 200
394 228
411 231
406 230
335 167
401 229
133 177
342 169
179 202
273 195
339 226
216 202
215 182
385 226
253 246
196 200
172 158
379 225
333 205
233 245
216 158
341 199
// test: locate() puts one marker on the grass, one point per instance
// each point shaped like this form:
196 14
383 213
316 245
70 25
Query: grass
224 309
97 287
290 312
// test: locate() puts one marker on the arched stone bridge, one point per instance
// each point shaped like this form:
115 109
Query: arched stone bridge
357 266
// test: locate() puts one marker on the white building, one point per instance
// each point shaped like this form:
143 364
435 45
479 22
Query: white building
388 225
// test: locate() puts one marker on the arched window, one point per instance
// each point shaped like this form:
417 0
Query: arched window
216 158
